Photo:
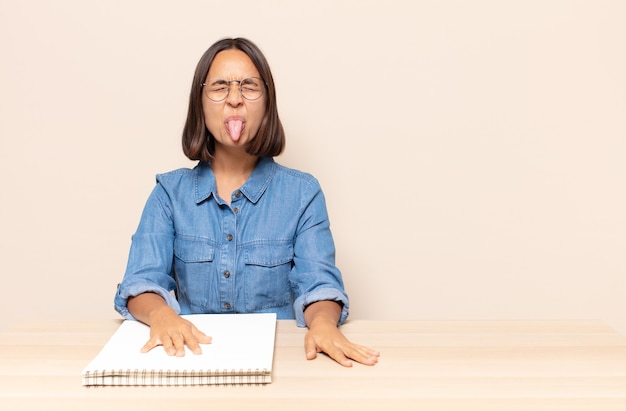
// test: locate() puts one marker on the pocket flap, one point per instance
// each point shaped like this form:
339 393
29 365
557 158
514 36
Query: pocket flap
193 251
269 255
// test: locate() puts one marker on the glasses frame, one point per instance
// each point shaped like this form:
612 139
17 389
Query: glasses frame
239 86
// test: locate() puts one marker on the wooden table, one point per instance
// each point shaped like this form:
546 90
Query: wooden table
424 365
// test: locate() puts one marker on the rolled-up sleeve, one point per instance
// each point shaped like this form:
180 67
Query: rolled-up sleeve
322 294
314 276
149 267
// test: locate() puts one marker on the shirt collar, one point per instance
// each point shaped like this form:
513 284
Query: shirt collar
253 188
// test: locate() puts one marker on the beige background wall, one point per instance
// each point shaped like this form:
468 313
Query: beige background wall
472 152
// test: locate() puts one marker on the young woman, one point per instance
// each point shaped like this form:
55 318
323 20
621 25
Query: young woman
238 233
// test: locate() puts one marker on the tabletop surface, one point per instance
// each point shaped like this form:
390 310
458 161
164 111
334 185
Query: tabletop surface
424 365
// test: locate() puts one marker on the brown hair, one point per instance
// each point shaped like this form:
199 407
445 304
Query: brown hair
198 142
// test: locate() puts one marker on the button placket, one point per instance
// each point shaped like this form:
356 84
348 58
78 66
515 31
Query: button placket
228 257
228 263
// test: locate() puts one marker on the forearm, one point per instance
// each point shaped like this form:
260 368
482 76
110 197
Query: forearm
144 307
322 313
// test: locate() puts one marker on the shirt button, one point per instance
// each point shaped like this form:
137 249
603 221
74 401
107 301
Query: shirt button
227 274
227 306
237 193
236 210
229 237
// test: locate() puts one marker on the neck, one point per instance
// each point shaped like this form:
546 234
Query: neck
233 161
231 168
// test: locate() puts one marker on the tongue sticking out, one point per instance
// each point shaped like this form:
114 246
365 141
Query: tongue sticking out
234 128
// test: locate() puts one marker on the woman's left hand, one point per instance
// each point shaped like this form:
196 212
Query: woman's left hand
324 336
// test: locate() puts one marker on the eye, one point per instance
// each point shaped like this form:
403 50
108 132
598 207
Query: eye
250 84
218 85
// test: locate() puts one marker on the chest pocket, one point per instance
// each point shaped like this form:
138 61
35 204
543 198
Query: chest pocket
267 268
193 265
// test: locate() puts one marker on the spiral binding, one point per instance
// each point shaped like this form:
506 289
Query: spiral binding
176 377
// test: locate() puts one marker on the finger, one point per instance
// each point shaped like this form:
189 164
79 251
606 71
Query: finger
363 355
338 355
366 351
366 359
200 336
178 342
187 338
197 338
335 351
194 338
152 342
173 345
310 348
168 345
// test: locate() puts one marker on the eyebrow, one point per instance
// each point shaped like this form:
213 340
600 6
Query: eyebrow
222 81
218 81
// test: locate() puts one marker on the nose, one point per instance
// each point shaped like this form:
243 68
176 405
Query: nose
234 97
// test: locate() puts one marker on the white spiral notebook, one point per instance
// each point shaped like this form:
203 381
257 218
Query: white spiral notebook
241 352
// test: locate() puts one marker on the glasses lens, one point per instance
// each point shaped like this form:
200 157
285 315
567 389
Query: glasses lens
218 89
251 88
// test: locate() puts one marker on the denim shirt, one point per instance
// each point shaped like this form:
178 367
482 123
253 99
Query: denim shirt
270 250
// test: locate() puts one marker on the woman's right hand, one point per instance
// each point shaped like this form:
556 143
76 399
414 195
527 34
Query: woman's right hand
167 328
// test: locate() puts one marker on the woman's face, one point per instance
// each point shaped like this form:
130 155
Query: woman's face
236 120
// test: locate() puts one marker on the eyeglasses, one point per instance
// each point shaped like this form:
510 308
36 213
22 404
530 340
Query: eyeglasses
218 89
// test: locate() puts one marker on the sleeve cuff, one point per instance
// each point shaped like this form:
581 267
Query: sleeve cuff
121 298
324 294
